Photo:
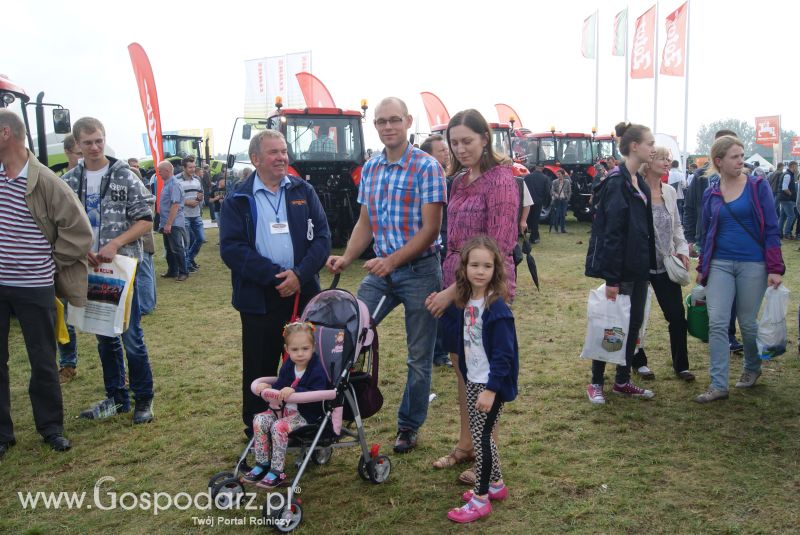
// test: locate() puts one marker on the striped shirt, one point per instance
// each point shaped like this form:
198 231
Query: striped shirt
26 257
394 192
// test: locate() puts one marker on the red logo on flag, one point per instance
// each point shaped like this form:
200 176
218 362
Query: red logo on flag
768 130
673 60
796 146
644 45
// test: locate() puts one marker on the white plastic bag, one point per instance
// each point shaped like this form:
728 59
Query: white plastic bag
607 329
771 339
646 320
108 307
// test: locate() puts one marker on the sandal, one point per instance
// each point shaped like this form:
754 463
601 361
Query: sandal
457 456
468 477
256 474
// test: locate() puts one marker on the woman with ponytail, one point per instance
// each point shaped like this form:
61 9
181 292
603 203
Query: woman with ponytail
622 247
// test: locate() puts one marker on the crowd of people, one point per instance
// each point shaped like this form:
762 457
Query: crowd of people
443 222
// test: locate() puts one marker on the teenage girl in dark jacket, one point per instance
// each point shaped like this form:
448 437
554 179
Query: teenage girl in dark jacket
622 248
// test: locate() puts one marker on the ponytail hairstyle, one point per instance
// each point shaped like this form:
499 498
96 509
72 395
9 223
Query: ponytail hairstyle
719 149
628 133
498 286
299 327
473 120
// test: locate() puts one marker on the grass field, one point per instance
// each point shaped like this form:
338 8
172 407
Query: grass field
664 466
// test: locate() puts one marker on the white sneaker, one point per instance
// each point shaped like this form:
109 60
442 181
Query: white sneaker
645 373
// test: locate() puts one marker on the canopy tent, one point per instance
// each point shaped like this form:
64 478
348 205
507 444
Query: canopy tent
762 162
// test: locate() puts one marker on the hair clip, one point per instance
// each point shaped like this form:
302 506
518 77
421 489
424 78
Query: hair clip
305 324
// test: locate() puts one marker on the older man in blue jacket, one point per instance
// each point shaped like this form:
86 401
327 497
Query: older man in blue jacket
274 238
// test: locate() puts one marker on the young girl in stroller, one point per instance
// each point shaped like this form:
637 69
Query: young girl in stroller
302 372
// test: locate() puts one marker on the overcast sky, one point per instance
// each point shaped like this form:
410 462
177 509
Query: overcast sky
470 54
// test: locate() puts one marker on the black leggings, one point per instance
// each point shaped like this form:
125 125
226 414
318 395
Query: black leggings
638 294
487 461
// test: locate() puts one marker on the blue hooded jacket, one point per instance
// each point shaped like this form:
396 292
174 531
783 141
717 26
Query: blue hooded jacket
499 341
313 379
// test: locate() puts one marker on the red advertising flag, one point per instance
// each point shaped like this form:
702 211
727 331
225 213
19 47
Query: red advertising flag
505 113
435 109
149 98
768 130
673 60
314 91
644 45
796 146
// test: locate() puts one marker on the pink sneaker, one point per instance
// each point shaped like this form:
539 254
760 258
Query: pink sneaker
630 389
498 496
469 512
595 394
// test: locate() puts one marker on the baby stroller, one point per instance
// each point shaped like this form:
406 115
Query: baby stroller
347 343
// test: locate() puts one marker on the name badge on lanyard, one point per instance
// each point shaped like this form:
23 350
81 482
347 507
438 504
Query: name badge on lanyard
279 228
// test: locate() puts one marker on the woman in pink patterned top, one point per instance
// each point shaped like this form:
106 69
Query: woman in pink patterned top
484 199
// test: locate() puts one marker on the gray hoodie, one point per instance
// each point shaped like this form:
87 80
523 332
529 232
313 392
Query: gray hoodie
123 201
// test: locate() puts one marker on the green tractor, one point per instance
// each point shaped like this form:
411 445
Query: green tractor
176 148
51 155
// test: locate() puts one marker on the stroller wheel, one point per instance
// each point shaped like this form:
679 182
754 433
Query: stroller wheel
227 493
379 469
288 518
362 468
216 478
322 455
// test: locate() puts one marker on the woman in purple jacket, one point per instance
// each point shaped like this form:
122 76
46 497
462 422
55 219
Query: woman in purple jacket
740 257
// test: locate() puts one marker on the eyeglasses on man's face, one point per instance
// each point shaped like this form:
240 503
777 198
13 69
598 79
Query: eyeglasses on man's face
393 121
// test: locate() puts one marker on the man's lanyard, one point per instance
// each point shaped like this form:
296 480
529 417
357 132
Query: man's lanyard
278 207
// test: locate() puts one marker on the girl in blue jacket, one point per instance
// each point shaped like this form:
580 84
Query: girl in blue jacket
479 327
302 372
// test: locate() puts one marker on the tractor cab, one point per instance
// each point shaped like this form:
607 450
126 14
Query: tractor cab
13 96
605 146
571 152
176 147
326 148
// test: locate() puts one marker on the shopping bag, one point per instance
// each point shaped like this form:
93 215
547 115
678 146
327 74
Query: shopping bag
646 320
697 319
607 329
771 340
108 305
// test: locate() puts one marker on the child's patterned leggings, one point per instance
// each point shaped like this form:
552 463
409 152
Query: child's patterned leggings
266 424
487 462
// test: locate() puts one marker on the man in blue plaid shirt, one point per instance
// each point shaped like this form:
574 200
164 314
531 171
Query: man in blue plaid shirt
402 193
323 142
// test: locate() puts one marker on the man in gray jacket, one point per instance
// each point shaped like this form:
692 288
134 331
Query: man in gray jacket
116 202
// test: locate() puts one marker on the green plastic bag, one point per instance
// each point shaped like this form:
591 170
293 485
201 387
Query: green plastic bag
697 318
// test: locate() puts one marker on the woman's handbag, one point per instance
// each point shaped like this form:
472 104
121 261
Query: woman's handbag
675 270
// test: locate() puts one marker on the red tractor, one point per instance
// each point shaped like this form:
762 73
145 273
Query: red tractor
571 152
605 146
326 147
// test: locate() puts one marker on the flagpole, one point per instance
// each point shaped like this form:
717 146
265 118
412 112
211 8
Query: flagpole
686 85
655 75
596 66
627 63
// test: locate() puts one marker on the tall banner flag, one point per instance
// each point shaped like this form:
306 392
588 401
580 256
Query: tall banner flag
149 97
435 110
505 113
267 78
620 32
588 37
768 130
315 94
673 60
644 45
796 146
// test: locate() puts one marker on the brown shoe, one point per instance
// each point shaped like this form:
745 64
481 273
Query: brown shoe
182 277
66 374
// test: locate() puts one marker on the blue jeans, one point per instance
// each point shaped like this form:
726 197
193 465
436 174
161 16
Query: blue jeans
68 353
410 285
786 221
194 227
110 350
560 214
747 282
146 284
